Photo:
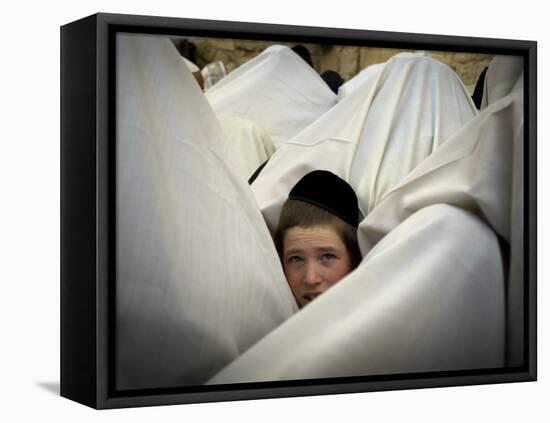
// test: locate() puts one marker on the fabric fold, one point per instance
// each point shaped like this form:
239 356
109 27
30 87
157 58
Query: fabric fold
198 279
277 90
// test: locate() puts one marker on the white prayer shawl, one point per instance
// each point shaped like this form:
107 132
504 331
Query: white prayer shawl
375 136
277 89
198 280
365 76
481 170
355 83
504 74
190 65
249 143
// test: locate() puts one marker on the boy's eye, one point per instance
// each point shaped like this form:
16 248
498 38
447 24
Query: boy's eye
294 259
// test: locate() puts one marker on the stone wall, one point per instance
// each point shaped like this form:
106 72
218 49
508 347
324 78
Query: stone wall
346 60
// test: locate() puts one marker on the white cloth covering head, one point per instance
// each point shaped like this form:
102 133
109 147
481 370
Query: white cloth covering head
375 136
248 142
198 280
363 77
504 74
276 89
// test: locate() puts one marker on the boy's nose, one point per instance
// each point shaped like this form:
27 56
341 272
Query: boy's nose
312 275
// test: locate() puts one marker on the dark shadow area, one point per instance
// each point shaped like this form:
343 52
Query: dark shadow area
52 387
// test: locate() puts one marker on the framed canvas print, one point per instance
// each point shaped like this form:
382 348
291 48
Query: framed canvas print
257 211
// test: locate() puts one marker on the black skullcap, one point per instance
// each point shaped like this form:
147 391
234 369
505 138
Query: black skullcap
326 190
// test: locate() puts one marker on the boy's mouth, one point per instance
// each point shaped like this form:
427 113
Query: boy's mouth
311 296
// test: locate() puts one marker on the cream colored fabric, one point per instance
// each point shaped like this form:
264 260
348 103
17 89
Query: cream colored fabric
248 142
375 136
428 297
190 65
198 280
277 89
504 74
475 170
367 74
479 169
363 77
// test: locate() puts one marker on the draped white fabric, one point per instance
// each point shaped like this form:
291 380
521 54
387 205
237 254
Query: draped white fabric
201 296
476 169
363 77
375 136
198 280
190 65
249 143
479 169
504 74
277 90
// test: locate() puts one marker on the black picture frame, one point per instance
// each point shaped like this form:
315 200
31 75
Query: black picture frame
87 215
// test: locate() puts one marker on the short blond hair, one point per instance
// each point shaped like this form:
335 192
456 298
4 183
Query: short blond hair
306 215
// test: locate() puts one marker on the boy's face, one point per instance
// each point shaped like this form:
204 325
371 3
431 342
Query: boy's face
314 259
